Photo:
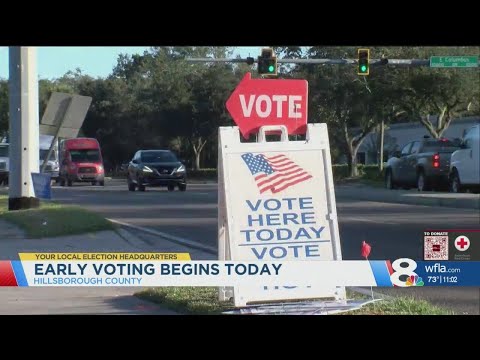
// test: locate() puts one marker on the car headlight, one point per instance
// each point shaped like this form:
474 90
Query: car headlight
181 168
146 169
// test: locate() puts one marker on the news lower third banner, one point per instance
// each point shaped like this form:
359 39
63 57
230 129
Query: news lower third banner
176 269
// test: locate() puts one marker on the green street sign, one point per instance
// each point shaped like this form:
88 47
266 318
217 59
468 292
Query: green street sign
453 61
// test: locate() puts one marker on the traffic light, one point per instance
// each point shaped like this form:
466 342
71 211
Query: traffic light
267 63
363 61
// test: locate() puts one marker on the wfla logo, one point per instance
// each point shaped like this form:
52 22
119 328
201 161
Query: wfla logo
404 276
274 173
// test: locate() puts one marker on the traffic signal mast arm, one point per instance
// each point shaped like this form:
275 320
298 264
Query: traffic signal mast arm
373 62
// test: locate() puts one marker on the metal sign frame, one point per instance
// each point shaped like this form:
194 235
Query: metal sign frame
316 142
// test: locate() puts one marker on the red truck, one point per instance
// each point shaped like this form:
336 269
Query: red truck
81 161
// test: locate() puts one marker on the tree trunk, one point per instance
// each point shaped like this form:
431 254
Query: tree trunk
198 146
352 162
197 160
443 122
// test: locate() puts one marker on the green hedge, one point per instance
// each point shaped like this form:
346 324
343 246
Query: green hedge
204 174
340 171
369 172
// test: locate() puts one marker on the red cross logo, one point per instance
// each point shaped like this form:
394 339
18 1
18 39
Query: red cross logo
462 243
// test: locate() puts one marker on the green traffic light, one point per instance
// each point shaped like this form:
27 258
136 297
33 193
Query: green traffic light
363 68
271 68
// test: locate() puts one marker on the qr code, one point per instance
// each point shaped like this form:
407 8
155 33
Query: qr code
435 247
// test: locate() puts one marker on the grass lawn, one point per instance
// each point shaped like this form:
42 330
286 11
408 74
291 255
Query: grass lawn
402 306
53 219
204 300
187 300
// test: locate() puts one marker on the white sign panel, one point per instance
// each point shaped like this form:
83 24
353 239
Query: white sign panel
64 115
277 203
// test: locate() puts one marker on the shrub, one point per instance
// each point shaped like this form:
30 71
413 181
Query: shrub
370 172
340 171
209 174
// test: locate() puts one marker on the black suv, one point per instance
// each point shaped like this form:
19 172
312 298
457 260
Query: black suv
156 168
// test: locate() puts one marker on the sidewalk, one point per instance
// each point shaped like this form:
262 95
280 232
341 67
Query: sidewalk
412 197
81 300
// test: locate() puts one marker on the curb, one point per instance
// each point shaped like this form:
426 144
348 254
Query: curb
175 239
410 199
130 238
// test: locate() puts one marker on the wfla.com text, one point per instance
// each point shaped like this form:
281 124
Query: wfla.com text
439 268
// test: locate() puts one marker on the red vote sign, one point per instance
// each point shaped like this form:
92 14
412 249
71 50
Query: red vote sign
259 102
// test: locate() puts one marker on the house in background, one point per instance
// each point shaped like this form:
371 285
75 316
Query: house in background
397 135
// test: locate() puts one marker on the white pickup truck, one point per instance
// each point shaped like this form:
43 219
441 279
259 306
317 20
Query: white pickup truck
465 163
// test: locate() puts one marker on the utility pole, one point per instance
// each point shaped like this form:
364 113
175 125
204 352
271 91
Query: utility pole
24 127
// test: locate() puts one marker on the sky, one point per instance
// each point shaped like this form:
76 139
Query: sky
53 62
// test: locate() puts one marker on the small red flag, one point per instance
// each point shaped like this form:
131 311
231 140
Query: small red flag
366 248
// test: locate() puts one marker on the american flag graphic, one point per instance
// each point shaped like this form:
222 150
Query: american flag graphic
274 173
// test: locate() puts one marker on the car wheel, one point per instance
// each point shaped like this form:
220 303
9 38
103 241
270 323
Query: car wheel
389 184
140 185
131 185
422 182
182 187
171 187
455 184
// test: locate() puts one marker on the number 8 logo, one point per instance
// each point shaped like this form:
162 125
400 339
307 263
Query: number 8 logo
402 271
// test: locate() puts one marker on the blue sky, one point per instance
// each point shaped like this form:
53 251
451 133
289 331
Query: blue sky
53 62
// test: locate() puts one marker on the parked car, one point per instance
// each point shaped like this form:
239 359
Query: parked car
81 161
424 164
465 162
156 168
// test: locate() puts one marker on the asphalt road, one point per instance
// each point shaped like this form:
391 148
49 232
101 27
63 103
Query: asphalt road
393 230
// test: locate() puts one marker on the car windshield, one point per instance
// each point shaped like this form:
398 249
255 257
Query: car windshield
3 151
440 145
44 153
85 155
158 157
